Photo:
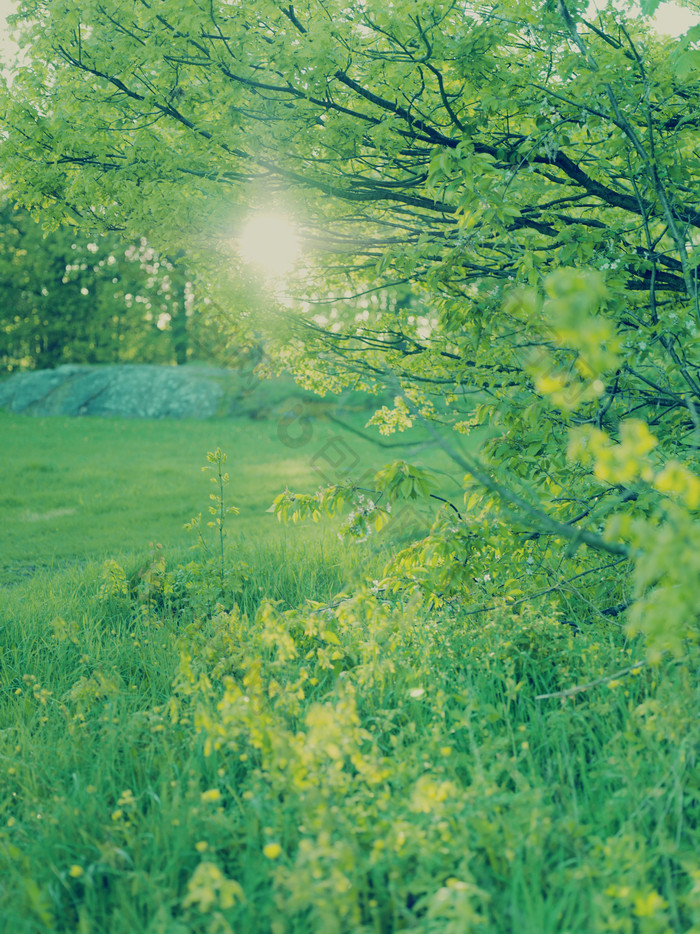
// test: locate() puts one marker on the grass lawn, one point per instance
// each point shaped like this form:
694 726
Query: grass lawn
74 489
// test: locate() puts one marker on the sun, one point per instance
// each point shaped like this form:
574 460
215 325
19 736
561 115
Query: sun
270 242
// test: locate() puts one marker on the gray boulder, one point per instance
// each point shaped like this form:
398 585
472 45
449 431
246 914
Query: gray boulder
128 391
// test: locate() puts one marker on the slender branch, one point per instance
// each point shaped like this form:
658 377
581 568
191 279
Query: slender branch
646 158
580 688
514 501
541 593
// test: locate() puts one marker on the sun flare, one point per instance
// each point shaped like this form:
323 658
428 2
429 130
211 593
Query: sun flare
270 242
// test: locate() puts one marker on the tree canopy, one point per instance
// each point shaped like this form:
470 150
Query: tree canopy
527 176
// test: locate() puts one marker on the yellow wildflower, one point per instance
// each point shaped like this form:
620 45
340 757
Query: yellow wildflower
272 850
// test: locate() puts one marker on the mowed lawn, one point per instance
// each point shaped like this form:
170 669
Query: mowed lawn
87 488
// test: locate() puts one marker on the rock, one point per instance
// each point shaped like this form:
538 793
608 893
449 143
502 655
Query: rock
151 391
128 391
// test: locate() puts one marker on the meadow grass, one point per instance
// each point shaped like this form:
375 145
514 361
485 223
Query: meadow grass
297 753
358 767
75 489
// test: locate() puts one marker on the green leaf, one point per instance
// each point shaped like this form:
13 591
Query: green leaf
687 64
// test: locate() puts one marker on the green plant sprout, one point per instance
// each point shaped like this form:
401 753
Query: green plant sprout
218 509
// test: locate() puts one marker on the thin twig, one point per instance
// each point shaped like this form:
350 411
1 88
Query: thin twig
540 593
580 688
512 500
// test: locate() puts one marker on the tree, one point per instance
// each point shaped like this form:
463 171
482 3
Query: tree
532 175
68 298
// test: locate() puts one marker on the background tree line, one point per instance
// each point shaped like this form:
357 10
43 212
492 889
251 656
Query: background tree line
67 296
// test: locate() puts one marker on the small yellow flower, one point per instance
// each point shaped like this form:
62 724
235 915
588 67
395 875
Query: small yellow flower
76 871
201 846
272 850
213 794
645 906
117 814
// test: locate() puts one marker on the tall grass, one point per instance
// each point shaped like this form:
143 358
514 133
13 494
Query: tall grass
336 765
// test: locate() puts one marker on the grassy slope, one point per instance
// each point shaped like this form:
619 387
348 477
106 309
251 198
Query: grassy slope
372 769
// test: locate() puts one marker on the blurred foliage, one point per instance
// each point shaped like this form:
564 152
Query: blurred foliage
68 297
